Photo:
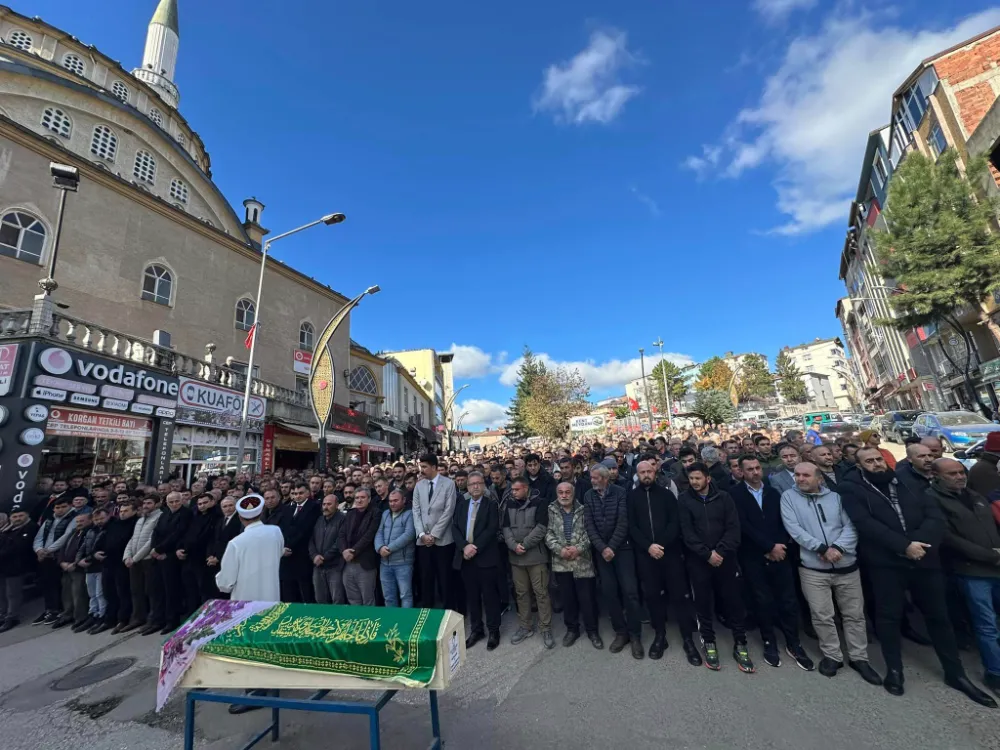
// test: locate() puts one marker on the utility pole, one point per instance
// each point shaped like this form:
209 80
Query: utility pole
663 374
645 386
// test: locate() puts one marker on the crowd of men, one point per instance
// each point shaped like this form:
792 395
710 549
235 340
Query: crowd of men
785 534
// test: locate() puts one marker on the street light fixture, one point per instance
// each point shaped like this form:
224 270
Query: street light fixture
663 374
645 386
66 179
329 220
451 403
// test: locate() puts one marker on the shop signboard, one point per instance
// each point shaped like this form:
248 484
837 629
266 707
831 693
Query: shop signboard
201 403
591 422
302 362
117 384
8 359
267 451
67 422
348 420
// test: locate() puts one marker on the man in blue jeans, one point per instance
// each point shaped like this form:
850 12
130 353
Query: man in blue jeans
972 542
395 542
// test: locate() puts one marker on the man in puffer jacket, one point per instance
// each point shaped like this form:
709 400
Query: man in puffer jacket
524 524
16 560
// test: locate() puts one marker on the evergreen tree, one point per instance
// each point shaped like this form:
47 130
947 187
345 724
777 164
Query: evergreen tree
675 384
713 406
528 373
754 381
790 383
714 375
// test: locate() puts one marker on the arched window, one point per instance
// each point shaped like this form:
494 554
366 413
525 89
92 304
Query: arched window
120 90
246 314
306 333
155 116
157 285
180 139
178 190
21 39
22 236
363 381
57 121
104 143
145 167
74 64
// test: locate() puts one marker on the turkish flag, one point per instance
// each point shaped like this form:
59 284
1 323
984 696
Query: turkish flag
633 404
249 339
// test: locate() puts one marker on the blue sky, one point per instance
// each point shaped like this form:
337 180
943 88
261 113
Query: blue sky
574 176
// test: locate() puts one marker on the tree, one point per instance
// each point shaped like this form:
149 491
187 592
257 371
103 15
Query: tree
528 373
940 246
675 384
714 375
790 383
556 395
713 406
622 412
754 380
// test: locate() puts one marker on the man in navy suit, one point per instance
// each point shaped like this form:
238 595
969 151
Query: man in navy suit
477 556
767 569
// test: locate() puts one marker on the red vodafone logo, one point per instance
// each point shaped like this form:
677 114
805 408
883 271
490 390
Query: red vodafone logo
55 361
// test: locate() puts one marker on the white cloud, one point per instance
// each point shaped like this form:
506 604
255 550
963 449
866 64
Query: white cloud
587 88
813 117
470 362
481 413
611 374
777 10
648 202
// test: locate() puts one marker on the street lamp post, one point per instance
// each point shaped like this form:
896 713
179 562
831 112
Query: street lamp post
448 416
329 220
66 179
663 374
645 385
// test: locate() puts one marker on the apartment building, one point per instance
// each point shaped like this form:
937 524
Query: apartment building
826 357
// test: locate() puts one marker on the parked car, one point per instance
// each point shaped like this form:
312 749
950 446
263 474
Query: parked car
834 430
865 421
898 425
969 455
953 428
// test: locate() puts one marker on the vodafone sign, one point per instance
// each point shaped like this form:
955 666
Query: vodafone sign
302 361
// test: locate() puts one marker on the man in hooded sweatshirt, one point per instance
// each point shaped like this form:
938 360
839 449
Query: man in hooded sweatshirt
900 534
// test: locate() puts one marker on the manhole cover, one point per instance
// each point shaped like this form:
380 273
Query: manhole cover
92 674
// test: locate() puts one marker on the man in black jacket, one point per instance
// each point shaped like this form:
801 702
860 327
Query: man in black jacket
167 535
357 546
900 534
767 569
297 524
198 578
16 560
111 553
227 528
654 525
710 528
476 523
539 480
606 515
915 472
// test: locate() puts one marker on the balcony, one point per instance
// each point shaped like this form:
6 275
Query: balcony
113 344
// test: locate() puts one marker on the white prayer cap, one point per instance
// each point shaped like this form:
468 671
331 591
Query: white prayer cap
250 506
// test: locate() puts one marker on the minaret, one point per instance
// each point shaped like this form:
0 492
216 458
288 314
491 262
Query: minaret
159 61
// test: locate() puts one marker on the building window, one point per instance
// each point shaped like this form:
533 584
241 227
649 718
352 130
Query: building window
22 236
57 121
157 285
155 116
121 92
306 333
937 141
21 39
878 169
104 143
406 400
302 385
180 139
74 64
178 190
363 381
145 167
245 314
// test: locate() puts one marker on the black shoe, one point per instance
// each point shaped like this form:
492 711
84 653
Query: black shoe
9 623
99 628
658 646
168 629
829 667
150 629
893 682
801 657
42 618
692 653
742 656
911 634
771 654
868 674
964 685
493 641
129 626
60 622
618 644
474 638
992 682
86 624
595 640
237 709
638 652
570 638
712 656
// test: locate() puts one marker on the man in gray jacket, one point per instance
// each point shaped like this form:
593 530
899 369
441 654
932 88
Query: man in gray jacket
783 477
828 567
325 554
144 580
50 539
434 500
524 523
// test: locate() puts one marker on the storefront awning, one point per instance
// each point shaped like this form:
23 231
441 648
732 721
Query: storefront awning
333 437
377 445
387 428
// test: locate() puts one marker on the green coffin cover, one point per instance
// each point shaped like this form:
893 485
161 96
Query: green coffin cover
383 643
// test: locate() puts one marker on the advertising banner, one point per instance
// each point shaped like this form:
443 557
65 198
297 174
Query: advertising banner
590 422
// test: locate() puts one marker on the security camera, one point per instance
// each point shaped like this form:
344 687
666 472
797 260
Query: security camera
64 176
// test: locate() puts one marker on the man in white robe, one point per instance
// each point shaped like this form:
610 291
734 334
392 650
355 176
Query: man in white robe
249 568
